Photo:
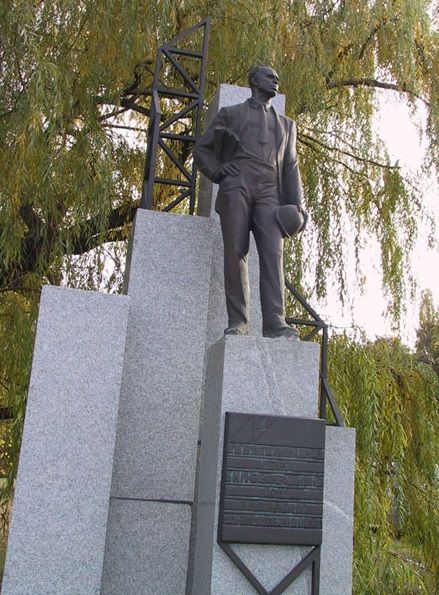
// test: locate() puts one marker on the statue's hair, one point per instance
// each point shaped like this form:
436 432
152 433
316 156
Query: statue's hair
254 71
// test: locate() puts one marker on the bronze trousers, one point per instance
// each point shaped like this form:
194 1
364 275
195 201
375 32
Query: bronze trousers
248 202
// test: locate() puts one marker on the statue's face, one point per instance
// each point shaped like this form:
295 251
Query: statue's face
266 80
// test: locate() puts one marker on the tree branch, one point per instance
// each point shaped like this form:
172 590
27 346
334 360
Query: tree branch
366 82
78 34
9 111
112 114
136 129
336 133
408 560
6 413
373 32
91 237
314 148
302 135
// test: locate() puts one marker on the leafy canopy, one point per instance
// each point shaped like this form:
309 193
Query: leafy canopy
70 176
427 342
391 398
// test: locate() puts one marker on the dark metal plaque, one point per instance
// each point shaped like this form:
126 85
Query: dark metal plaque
272 480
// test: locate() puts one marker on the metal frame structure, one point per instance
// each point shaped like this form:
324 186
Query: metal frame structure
311 559
326 394
158 132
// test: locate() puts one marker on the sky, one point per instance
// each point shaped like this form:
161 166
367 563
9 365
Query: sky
398 129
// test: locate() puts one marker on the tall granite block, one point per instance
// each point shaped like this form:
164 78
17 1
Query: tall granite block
147 548
57 535
168 285
217 321
168 277
274 377
217 312
338 512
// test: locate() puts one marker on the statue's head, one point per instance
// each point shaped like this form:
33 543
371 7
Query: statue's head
264 80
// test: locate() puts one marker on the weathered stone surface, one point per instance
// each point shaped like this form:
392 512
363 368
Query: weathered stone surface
169 269
147 549
338 511
57 535
248 375
156 449
276 377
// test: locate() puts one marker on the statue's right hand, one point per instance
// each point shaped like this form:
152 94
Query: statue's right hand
228 169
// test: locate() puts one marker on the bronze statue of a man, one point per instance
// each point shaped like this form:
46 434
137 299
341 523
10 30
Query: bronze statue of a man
250 151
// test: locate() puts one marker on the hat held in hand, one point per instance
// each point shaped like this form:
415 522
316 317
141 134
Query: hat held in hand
291 219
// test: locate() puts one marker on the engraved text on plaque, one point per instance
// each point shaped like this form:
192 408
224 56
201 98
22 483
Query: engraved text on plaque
272 480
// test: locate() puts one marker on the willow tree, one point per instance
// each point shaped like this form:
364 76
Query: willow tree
392 398
427 335
70 174
70 168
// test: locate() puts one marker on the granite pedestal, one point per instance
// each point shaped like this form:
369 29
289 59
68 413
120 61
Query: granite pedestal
107 486
274 377
57 534
167 279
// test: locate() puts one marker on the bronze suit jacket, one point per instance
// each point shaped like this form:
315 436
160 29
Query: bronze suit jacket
235 118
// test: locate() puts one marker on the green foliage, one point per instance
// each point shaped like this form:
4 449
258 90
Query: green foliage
70 176
427 342
17 324
392 400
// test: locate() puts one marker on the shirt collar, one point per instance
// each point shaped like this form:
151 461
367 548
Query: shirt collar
256 105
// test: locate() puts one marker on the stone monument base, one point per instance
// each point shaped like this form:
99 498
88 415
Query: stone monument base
105 489
269 377
59 519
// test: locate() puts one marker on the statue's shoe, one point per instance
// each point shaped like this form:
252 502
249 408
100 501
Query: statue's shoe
282 331
236 330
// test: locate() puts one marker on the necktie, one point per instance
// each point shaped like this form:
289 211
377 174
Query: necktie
263 134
